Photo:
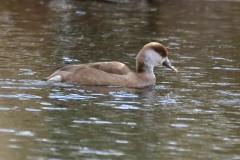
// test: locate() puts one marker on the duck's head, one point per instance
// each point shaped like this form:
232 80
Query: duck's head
151 55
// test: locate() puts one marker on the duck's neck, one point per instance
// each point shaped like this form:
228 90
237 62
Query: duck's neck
143 67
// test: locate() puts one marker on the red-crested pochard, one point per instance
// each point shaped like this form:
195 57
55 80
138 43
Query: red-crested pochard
116 73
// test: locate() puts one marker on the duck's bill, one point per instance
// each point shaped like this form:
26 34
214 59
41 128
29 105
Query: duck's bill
167 64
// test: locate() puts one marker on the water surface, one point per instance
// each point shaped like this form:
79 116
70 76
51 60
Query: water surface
190 115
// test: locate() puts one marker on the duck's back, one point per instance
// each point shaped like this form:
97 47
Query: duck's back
86 73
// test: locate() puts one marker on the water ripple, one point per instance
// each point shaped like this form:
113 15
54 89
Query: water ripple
21 96
18 133
70 96
86 150
54 108
97 121
7 108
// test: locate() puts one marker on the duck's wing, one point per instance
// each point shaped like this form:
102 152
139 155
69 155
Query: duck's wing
111 67
108 67
72 68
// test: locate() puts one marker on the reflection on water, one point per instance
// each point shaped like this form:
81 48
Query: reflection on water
190 115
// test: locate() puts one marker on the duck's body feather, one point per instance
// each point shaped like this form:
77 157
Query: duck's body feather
109 67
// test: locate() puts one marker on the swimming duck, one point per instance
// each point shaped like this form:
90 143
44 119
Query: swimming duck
116 73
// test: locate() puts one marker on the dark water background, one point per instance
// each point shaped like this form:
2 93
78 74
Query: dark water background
194 114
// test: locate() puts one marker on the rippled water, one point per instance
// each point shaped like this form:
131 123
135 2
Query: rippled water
190 115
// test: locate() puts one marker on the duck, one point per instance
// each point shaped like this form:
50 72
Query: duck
113 73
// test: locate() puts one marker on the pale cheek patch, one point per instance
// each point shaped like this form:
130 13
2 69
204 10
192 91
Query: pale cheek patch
155 57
